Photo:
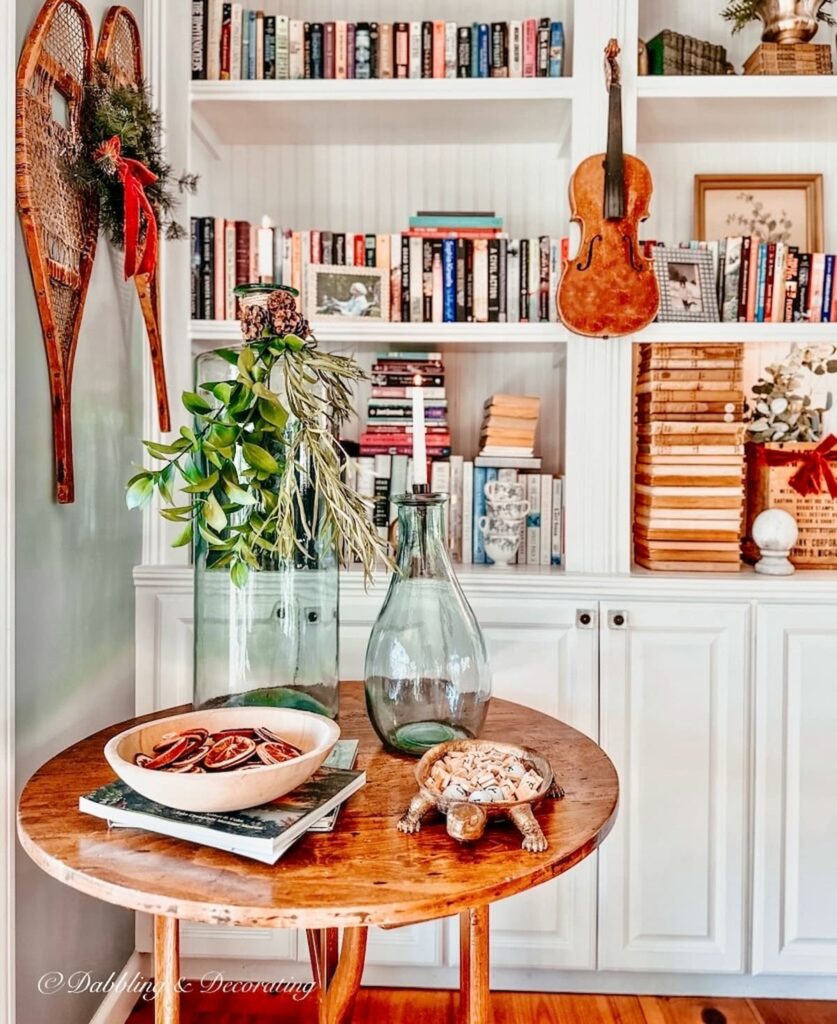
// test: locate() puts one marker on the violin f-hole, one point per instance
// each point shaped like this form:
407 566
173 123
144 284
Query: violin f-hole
586 266
638 267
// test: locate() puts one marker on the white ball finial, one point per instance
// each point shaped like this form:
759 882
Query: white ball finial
775 532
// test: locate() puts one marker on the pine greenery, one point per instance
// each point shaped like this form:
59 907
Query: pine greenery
742 12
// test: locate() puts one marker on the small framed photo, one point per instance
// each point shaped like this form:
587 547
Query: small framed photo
773 207
687 285
344 293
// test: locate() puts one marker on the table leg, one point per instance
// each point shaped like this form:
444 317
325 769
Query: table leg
473 966
166 970
337 977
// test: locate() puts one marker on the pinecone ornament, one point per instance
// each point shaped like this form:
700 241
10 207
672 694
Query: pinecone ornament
284 316
254 319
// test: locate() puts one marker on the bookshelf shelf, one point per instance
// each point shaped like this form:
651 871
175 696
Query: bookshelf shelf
751 334
206 334
735 108
369 112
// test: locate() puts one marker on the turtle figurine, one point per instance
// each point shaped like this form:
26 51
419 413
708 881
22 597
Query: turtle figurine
471 781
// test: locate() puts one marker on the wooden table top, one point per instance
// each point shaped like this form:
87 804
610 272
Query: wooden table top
365 872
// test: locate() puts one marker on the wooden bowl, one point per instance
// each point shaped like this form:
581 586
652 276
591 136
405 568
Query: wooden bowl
232 790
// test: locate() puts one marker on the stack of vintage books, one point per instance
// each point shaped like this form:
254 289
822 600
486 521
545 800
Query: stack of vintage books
789 59
509 425
689 473
670 53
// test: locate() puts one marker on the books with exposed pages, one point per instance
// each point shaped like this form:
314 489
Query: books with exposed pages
262 833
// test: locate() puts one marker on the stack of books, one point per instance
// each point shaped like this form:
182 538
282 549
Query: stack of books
689 473
671 53
377 479
509 425
447 267
389 426
229 41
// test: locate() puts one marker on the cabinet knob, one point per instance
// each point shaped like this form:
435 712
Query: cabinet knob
617 620
585 618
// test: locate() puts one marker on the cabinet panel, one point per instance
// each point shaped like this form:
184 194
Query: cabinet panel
795 898
673 719
548 664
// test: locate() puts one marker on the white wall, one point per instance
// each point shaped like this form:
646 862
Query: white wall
74 596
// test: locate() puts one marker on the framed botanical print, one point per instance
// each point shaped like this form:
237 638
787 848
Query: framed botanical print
687 285
773 207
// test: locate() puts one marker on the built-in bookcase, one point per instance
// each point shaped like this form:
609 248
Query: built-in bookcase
363 155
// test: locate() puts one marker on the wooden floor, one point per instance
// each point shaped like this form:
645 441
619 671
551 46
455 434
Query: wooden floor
406 1006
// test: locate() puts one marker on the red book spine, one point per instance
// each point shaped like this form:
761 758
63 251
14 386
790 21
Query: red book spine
242 253
768 284
530 48
316 247
438 49
744 278
359 249
328 49
402 49
226 38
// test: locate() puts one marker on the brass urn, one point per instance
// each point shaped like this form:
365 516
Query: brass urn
788 21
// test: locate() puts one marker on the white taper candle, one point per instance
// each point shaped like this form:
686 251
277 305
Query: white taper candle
419 440
266 250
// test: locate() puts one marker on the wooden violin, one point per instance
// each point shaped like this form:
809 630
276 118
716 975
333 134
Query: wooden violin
609 287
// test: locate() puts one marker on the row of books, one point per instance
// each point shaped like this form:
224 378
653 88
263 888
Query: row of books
434 275
689 468
774 282
389 412
379 478
229 41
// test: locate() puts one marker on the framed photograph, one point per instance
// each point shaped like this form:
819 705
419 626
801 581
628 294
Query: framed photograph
343 293
687 284
774 207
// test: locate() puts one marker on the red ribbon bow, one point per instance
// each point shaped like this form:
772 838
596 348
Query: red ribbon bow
814 466
140 255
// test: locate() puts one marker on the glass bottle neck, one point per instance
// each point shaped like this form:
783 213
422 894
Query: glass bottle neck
422 539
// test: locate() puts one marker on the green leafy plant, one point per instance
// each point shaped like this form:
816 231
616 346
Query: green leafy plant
126 112
742 12
262 473
781 409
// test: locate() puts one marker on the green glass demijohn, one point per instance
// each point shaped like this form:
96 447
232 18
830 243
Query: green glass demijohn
427 676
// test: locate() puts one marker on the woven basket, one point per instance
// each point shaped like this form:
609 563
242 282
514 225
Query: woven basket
789 59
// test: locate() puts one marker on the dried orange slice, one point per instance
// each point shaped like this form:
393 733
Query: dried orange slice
229 751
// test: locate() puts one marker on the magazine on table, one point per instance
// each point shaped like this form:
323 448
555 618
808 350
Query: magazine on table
262 833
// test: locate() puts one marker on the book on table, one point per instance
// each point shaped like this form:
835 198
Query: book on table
263 833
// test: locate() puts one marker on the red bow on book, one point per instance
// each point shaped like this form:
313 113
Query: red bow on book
814 468
140 253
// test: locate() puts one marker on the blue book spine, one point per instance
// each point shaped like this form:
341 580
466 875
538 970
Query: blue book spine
251 50
449 280
484 55
478 547
828 288
245 43
761 281
556 50
475 50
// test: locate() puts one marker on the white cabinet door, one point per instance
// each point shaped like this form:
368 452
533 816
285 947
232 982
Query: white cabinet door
540 658
674 693
795 862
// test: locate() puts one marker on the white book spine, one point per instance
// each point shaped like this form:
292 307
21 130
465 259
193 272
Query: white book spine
455 506
287 257
546 519
259 46
440 484
415 49
534 278
515 49
295 47
467 513
450 49
416 280
557 552
777 312
306 263
213 39
513 282
229 270
554 276
235 42
533 519
283 45
365 484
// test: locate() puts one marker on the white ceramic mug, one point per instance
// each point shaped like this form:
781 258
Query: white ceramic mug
496 525
503 490
509 510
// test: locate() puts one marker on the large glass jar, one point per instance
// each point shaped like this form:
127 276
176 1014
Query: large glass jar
273 641
427 673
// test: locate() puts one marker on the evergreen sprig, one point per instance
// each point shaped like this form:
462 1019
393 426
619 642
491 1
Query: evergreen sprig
263 476
742 12
124 111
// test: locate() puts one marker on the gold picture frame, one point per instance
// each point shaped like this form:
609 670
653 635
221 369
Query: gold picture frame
734 204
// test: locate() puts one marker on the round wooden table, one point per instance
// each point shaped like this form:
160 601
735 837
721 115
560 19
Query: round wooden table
364 873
